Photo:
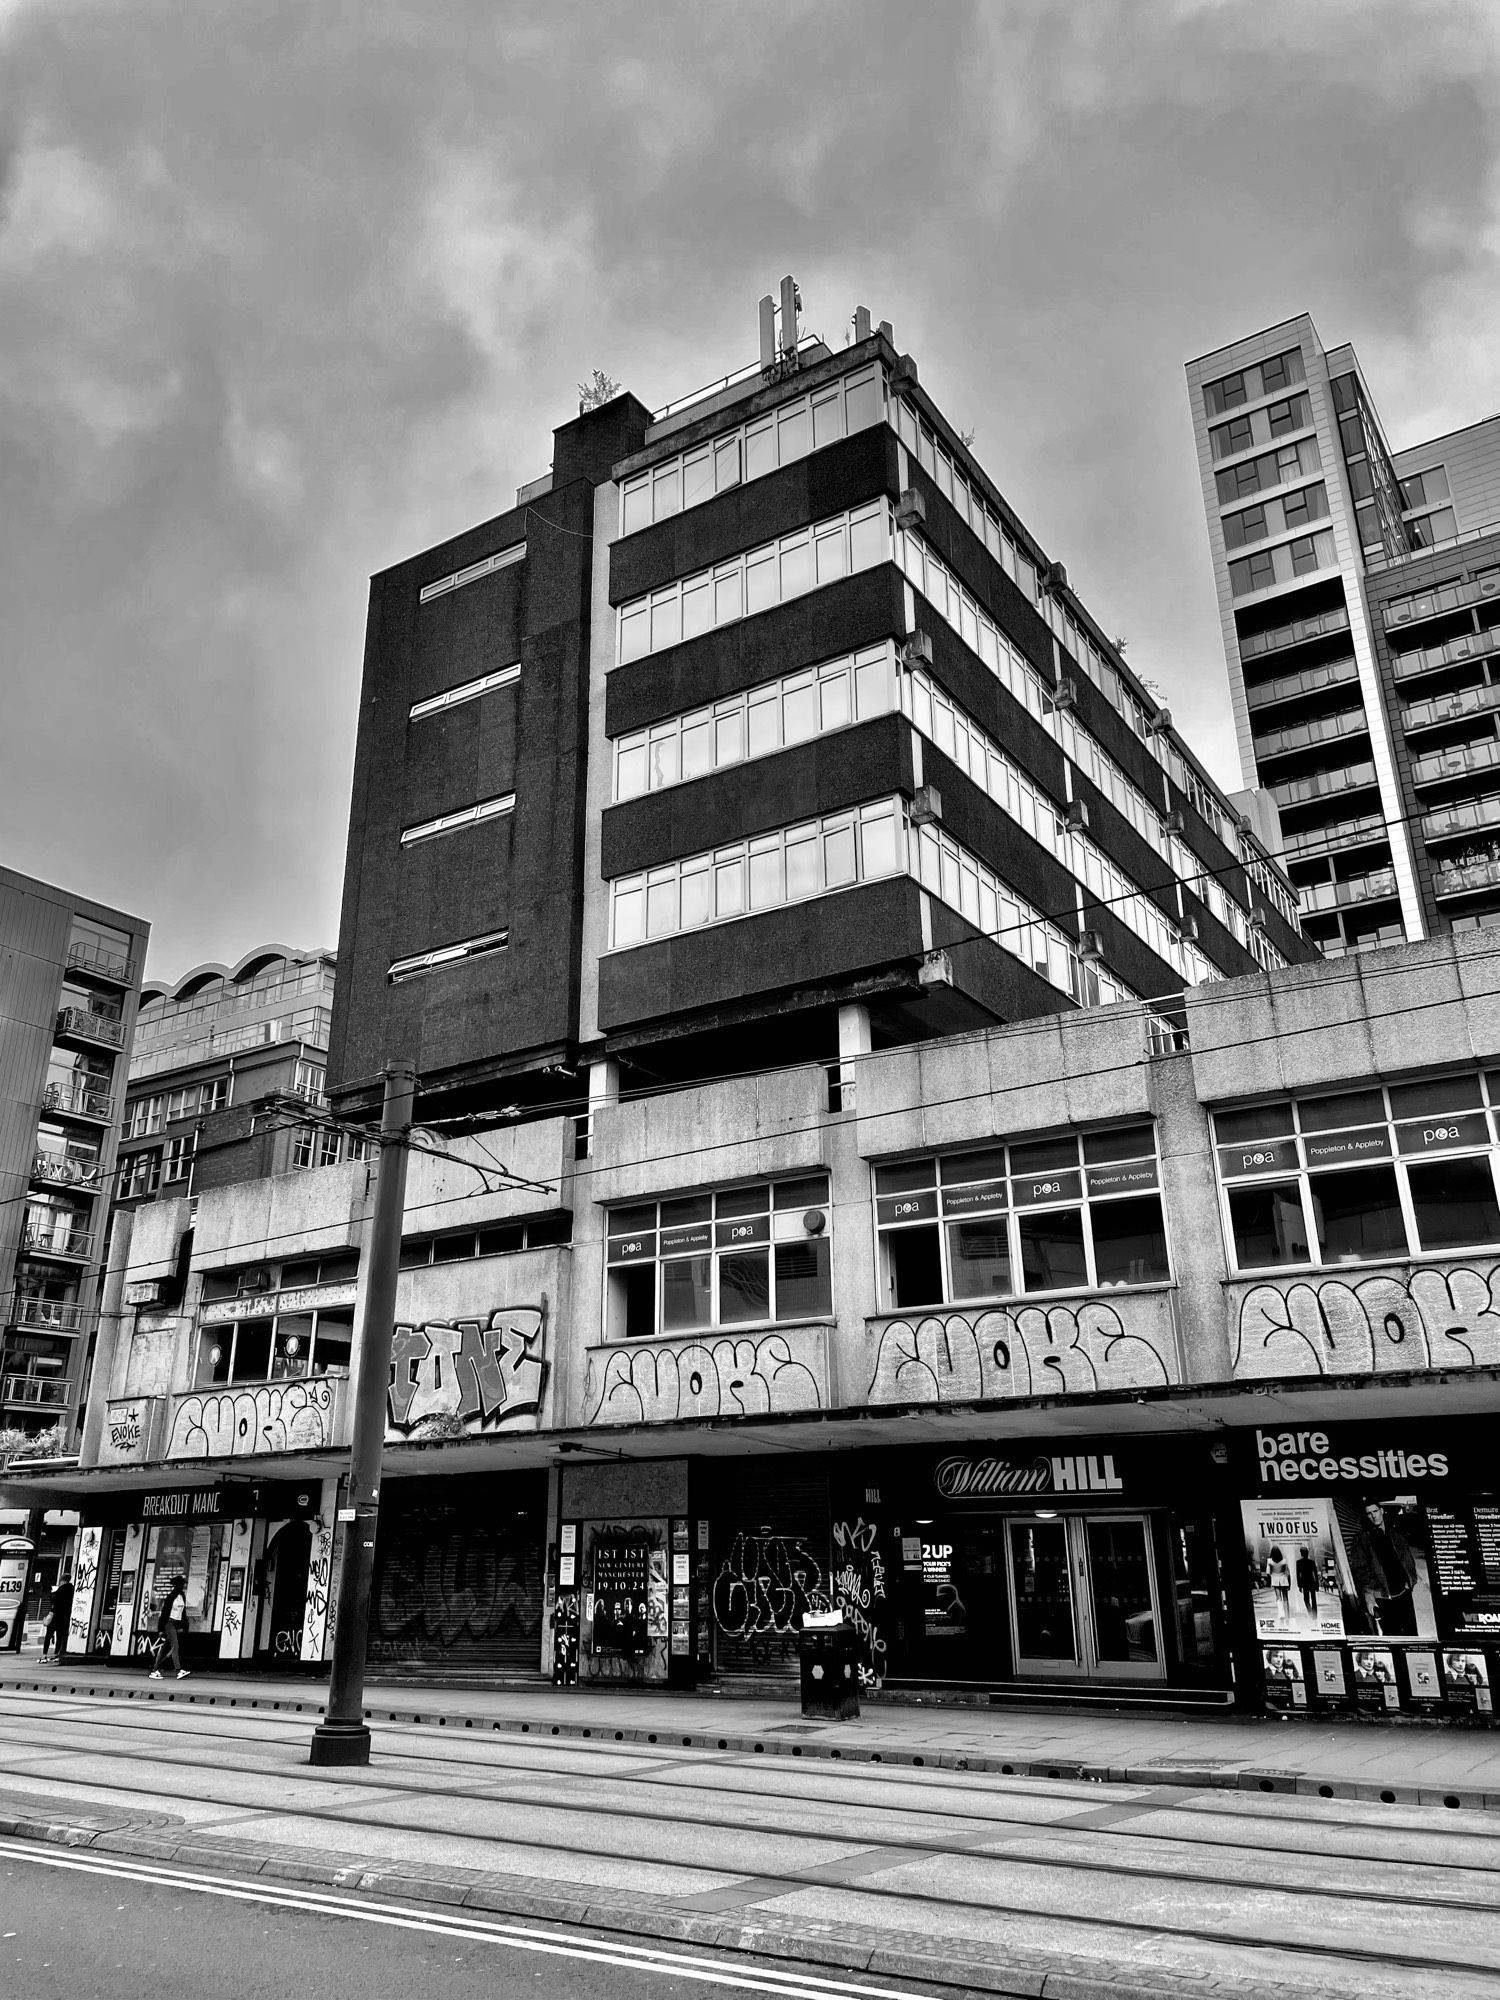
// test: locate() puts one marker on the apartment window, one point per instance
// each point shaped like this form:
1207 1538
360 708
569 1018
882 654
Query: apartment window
758 874
1425 489
1295 414
1430 529
739 1257
1076 1213
1274 374
755 581
482 809
757 722
459 577
1231 391
177 1161
325 1146
140 1174
1247 526
465 691
1310 504
310 1080
1257 572
447 954
1232 437
1304 555
492 1239
1360 1176
216 1094
279 1347
783 435
143 1118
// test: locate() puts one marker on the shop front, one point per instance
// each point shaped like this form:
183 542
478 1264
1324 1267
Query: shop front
256 1560
1370 1579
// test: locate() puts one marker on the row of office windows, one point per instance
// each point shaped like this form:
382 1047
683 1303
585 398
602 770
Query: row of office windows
1282 563
143 1174
147 1115
1274 468
783 435
739 1257
1276 420
1250 385
1276 517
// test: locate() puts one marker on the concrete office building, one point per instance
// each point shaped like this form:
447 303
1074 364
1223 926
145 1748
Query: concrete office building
760 728
70 972
1359 597
1072 1367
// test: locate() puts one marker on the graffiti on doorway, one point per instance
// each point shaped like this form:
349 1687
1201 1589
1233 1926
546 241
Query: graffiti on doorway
452 1379
319 1587
765 1584
859 1592
971 1357
85 1582
769 1373
273 1416
463 1584
1388 1322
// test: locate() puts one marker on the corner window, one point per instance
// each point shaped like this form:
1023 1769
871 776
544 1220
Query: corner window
1075 1213
740 1257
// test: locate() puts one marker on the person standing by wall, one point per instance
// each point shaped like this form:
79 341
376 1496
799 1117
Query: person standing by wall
59 1617
169 1624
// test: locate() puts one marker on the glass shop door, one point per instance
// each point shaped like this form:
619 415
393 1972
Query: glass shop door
1083 1597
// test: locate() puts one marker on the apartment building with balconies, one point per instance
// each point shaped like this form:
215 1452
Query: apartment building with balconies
761 725
70 973
1352 585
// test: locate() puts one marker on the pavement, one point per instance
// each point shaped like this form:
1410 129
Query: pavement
1405 1762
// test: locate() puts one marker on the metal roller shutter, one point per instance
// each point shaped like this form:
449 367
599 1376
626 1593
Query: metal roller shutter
771 1546
458 1573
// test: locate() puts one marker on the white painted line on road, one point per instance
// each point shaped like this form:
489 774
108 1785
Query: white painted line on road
519 1937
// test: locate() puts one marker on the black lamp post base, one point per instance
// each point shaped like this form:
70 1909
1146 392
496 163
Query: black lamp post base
340 1743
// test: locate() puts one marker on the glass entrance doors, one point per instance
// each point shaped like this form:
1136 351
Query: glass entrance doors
1083 1596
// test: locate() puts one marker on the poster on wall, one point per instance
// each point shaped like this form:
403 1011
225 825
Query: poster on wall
1467 1678
620 1583
1465 1543
1388 1560
1328 1678
944 1614
1423 1688
1375 1678
1285 1685
1297 1580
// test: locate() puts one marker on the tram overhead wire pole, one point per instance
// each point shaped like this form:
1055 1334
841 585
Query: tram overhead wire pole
343 1736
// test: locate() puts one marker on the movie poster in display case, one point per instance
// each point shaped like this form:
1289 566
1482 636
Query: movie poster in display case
1297 1579
1286 1681
1374 1669
1466 1681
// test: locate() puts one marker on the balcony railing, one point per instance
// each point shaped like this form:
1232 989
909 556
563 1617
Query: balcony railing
1468 817
1259 644
1452 652
85 1025
57 1242
1457 761
1459 878
58 1170
78 1102
1338 833
1449 708
1312 680
35 1391
1323 784
1357 889
107 964
1491 529
310 1026
56 1315
1306 735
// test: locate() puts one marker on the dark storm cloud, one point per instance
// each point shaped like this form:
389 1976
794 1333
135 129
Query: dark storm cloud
286 294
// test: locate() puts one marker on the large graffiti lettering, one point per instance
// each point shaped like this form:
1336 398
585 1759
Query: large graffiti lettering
1390 1322
1056 1350
449 1379
446 1589
859 1592
713 1378
319 1587
85 1581
765 1584
274 1416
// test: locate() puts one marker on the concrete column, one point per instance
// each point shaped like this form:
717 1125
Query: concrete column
604 1088
854 1042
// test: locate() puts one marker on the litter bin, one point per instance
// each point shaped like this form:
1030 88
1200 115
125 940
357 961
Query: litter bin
830 1667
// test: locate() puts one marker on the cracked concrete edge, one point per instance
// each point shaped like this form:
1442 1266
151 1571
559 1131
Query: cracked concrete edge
1208 1777
1011 1974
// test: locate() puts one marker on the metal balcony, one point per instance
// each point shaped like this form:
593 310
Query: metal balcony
1259 644
1442 708
1459 878
1467 817
103 964
79 1102
74 1243
1357 889
1323 784
1457 761
86 1026
1452 652
35 1391
1307 735
1312 680
52 1315
57 1170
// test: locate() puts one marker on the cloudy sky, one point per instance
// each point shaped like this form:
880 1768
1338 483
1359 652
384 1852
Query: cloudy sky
288 293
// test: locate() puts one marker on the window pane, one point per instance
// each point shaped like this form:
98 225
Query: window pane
838 856
1043 1156
252 1351
799 709
1454 1201
666 622
630 769
637 513
979 1258
872 687
1052 1256
830 557
868 540
635 633
726 464
727 596
915 1263
1350 1107
862 401
1358 1215
802 864
661 907
697 607
765 721
697 891
804 1279
793 433
335 1338
1130 1241
833 699
767 883
760 450
760 581
796 567
697 746
1268 1226
1425 1100
1266 1121
729 737
729 887
744 1286
630 915
697 478
877 846
686 1298
825 417
664 759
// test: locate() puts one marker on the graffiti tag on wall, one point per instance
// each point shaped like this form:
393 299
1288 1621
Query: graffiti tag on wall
273 1416
859 1592
1390 1321
124 1431
452 1378
970 1357
458 1586
319 1586
711 1378
765 1584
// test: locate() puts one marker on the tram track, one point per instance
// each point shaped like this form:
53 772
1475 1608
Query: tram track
1087 1792
789 1880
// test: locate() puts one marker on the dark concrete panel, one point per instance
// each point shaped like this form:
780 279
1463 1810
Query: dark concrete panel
991 704
971 562
977 823
991 976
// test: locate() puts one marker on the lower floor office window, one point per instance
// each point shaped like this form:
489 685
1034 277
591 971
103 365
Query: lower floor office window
734 1258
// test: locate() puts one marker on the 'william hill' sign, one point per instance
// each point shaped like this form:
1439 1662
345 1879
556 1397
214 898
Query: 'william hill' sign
980 1478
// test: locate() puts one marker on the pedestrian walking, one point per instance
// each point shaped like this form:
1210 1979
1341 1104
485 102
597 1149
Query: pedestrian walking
59 1617
170 1623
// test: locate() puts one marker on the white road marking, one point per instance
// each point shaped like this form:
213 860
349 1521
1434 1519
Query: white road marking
519 1937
